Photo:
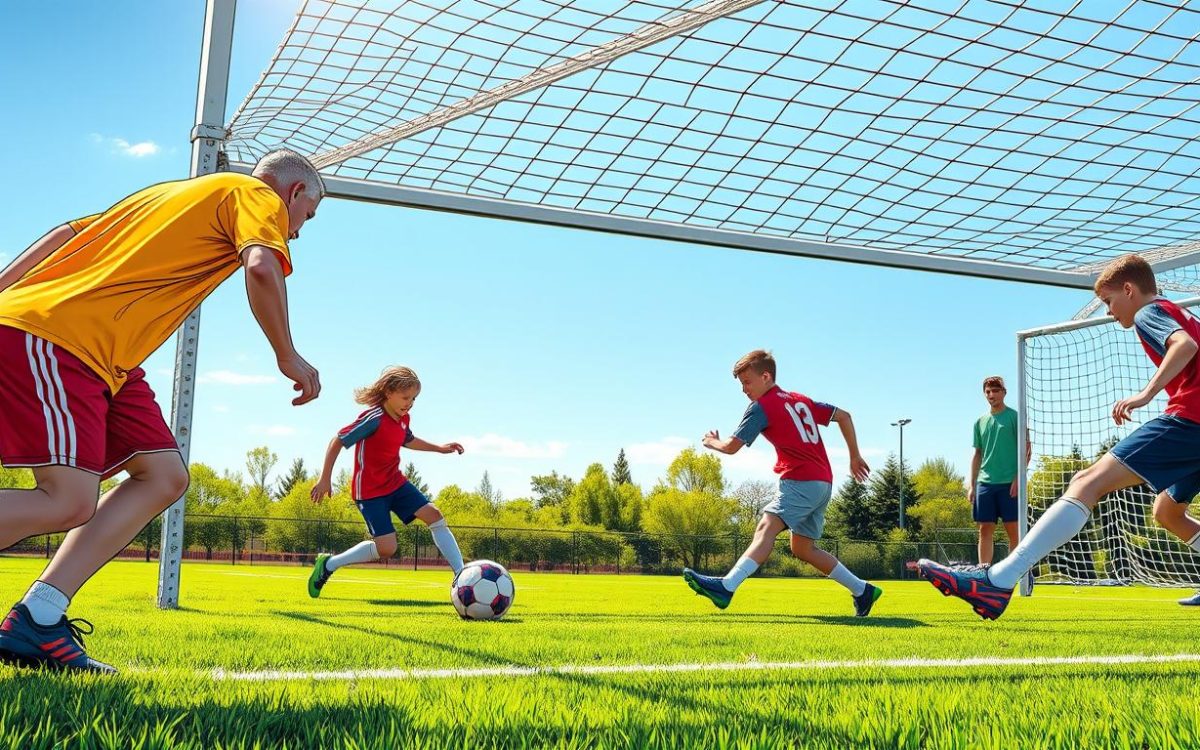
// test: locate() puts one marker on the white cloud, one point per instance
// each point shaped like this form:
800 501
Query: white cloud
491 444
221 408
229 377
658 453
121 146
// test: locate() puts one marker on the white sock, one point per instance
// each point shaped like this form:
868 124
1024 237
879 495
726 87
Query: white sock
443 537
1057 526
359 553
46 604
842 575
1194 542
740 571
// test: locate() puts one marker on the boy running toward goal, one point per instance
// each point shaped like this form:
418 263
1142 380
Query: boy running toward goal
789 422
1163 453
379 488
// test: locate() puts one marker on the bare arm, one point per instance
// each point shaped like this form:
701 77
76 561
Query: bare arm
323 487
715 442
976 462
858 466
417 444
35 254
267 294
1181 348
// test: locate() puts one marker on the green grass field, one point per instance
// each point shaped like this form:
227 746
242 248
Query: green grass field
178 688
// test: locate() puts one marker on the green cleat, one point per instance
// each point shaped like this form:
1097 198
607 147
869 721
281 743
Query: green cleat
864 601
320 574
708 586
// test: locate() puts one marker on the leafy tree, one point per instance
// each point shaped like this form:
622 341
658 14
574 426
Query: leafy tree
591 497
551 489
620 472
751 497
20 479
691 471
937 477
259 463
943 503
294 475
693 523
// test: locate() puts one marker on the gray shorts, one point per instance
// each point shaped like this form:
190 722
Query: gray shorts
801 505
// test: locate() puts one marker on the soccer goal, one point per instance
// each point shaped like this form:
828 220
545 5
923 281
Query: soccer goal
1069 377
1013 141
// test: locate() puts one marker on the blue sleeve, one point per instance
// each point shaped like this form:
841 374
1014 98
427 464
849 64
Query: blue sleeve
408 436
359 431
1154 326
754 421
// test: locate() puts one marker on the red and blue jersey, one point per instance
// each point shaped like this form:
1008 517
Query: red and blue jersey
1154 324
377 439
789 421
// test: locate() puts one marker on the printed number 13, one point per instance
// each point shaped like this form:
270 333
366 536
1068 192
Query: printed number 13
805 425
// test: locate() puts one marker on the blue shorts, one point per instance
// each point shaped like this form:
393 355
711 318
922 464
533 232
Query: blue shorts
801 505
404 501
994 503
1165 453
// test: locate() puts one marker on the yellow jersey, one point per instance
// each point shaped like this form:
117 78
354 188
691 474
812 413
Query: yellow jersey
114 292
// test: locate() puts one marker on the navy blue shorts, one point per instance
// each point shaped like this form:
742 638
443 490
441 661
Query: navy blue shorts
993 502
1165 453
405 501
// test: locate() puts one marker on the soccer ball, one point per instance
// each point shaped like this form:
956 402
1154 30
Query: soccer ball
482 590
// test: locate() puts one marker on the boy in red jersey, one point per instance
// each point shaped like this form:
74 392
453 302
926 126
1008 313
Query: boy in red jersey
379 488
1163 453
789 421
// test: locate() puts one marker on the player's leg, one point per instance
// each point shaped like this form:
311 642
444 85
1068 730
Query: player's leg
988 590
55 411
52 417
810 501
378 516
987 542
720 590
428 514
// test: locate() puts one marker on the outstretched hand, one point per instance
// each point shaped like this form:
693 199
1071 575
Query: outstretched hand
452 448
321 490
1122 410
859 469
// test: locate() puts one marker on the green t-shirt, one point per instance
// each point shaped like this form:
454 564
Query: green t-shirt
996 436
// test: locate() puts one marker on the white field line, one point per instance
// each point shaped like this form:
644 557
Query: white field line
568 669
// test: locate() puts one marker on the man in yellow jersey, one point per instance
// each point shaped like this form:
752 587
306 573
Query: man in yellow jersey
79 312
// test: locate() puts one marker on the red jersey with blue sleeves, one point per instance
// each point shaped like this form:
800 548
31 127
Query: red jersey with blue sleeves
377 439
789 421
1154 324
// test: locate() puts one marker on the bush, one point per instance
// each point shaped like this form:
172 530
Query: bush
863 559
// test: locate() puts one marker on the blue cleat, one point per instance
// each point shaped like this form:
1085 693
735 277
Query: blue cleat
864 601
24 643
1191 601
319 576
970 584
708 586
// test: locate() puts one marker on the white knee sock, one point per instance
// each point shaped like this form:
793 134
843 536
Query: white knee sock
443 537
1194 542
842 575
359 553
741 570
1057 526
46 604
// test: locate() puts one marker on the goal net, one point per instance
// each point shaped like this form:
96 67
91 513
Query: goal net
1070 376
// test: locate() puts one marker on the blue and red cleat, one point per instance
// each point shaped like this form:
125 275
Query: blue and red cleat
24 643
970 584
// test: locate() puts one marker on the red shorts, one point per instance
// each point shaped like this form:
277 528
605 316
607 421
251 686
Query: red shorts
54 411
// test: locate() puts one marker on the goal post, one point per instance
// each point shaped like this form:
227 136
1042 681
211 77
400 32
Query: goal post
1068 377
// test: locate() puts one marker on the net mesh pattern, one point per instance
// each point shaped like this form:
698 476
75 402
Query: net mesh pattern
1046 134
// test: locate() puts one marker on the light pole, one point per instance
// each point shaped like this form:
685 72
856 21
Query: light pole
900 423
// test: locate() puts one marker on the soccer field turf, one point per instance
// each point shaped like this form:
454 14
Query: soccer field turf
382 661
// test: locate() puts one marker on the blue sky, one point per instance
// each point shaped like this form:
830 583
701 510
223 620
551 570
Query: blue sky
540 348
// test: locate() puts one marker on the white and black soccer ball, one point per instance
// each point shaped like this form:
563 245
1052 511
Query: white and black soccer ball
482 590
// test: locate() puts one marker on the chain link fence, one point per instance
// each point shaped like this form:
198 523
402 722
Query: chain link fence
239 540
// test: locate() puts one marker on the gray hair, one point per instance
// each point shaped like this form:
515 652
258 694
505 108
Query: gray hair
286 167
